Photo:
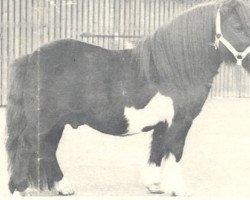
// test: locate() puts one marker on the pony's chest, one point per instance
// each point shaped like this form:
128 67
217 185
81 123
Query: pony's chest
159 109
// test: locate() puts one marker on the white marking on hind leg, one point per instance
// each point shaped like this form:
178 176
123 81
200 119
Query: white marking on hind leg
172 182
63 187
28 192
18 194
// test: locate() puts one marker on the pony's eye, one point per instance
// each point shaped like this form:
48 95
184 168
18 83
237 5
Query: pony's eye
238 27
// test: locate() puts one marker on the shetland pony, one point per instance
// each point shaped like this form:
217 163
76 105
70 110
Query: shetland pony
160 85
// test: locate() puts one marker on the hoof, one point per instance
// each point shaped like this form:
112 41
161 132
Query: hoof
177 190
155 188
158 189
64 188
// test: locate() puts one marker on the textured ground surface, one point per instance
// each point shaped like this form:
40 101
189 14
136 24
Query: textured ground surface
216 160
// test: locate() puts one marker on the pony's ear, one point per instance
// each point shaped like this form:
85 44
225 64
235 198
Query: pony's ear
228 6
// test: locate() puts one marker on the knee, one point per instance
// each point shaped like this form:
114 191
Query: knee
156 158
176 148
178 155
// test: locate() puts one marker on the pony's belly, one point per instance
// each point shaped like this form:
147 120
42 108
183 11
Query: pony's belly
159 109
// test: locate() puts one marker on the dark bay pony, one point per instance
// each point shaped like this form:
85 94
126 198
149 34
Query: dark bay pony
160 85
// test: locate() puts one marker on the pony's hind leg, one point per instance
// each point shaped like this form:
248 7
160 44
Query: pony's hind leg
36 167
50 171
20 150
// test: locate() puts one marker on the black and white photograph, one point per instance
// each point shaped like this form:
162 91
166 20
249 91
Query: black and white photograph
125 98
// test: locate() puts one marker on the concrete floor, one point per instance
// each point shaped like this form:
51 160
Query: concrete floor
216 159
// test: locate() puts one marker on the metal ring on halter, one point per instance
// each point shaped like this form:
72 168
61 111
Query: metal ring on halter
239 59
218 35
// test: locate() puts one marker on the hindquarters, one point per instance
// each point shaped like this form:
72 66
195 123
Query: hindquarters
47 89
31 152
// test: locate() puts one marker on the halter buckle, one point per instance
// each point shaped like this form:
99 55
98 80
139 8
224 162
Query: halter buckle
216 43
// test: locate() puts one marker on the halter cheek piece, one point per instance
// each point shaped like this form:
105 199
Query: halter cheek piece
239 56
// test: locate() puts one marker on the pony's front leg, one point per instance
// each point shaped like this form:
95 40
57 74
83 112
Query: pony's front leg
151 175
172 182
163 173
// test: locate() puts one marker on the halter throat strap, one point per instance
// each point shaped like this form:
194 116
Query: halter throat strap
239 56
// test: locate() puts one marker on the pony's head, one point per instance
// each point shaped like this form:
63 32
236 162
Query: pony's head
233 37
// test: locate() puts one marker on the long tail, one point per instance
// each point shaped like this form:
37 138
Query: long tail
16 120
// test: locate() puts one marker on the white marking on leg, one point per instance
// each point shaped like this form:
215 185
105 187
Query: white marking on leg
18 194
151 177
172 182
159 109
28 192
63 187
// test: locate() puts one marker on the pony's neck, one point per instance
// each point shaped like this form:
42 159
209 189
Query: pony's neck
181 51
191 53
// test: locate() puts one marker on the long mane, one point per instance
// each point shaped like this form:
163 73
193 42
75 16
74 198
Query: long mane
180 51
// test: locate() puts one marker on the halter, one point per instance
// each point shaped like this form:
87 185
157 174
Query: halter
239 56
